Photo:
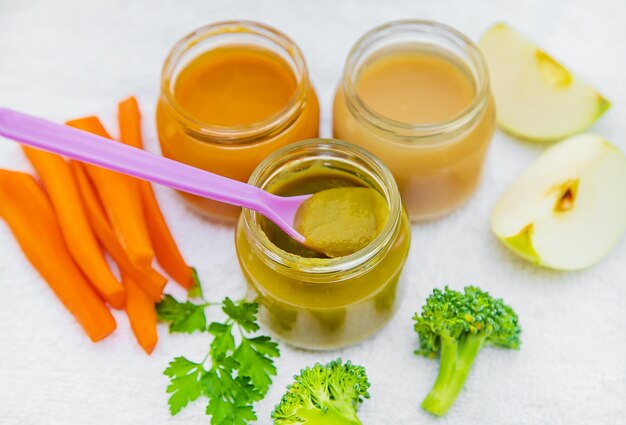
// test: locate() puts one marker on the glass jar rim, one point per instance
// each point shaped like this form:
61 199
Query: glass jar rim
444 32
246 132
326 269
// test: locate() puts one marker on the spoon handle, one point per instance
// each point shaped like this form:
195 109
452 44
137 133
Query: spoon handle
116 156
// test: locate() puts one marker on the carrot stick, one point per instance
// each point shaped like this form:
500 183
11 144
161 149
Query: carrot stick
63 192
120 196
167 253
30 216
141 314
149 279
165 248
129 118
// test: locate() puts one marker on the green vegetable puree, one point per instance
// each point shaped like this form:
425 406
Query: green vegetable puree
330 314
328 205
342 221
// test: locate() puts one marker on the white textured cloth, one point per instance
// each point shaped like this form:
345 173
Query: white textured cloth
62 59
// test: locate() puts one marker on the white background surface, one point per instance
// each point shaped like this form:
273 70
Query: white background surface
66 59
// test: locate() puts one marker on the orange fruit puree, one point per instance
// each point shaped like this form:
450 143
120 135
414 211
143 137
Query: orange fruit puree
235 86
236 105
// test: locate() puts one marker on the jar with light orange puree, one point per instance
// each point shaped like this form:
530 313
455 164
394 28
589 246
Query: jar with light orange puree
231 94
416 94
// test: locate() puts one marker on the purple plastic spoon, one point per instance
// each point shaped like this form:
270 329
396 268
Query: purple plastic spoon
96 150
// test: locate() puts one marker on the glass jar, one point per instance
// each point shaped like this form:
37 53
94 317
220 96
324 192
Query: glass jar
324 303
232 150
437 165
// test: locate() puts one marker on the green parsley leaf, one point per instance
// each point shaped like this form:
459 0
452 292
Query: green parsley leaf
255 364
264 345
224 412
223 341
230 398
196 290
243 313
241 365
183 317
185 383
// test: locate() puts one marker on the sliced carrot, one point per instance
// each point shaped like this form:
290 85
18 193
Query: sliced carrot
30 216
149 279
120 196
129 119
141 314
165 248
167 253
63 193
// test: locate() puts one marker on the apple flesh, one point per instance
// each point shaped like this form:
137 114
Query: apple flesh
537 98
568 209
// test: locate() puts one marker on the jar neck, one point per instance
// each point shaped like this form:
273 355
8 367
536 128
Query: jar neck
422 37
338 156
235 33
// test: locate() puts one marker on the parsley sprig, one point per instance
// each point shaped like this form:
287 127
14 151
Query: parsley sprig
236 371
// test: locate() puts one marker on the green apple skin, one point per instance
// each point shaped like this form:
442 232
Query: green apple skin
567 210
603 105
522 244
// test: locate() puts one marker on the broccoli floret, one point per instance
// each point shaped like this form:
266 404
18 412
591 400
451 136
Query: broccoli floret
324 394
456 325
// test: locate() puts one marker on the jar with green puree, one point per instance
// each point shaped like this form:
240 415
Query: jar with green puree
306 298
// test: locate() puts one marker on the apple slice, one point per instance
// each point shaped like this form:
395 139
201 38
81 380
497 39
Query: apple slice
537 98
568 209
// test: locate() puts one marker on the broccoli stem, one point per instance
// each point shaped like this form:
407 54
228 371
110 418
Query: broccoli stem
329 416
457 358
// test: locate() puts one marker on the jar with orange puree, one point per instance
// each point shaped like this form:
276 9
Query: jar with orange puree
231 94
416 94
341 291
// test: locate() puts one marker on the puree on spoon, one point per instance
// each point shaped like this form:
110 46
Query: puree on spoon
341 221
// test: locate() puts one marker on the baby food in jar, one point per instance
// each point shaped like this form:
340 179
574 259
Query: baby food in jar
416 94
307 298
231 94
